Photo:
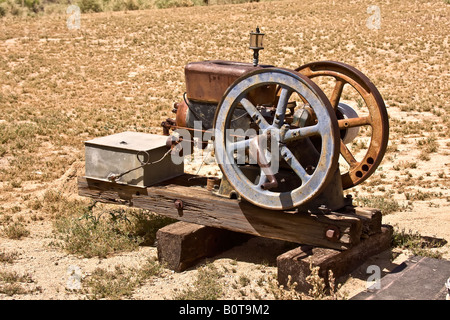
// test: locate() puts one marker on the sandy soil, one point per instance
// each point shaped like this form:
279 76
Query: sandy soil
119 72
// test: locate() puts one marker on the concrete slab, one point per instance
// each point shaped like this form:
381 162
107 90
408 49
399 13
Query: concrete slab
418 278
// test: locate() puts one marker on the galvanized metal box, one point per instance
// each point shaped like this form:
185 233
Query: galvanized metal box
118 153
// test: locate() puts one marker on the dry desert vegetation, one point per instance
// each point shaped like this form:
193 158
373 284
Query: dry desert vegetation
122 71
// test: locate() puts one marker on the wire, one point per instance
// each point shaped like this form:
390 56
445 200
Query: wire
190 109
114 177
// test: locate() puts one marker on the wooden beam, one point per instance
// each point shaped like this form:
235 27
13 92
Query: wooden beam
182 244
296 264
198 205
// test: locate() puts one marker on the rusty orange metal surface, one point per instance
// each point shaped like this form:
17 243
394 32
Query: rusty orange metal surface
207 81
377 119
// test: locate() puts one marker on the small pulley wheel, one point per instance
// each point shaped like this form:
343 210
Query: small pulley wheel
377 117
271 141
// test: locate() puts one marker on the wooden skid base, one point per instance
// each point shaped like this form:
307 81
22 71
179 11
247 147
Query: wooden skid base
297 263
199 206
181 244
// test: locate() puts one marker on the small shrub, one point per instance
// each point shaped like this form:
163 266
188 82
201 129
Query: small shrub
280 292
418 244
318 290
15 231
90 6
8 257
244 281
164 4
34 5
103 284
206 286
144 224
90 237
12 283
386 205
132 5
90 231
3 12
150 269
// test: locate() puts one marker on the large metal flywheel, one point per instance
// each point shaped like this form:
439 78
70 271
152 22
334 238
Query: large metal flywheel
269 145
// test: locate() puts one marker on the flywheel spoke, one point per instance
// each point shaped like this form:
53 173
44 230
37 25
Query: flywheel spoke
348 156
281 107
354 122
239 145
292 161
300 133
337 92
254 114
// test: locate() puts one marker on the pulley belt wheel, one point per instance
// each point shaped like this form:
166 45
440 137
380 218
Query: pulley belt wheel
377 118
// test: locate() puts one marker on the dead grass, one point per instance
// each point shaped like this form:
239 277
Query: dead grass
121 282
102 231
12 283
123 71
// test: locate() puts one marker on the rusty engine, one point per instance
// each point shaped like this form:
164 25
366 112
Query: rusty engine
287 136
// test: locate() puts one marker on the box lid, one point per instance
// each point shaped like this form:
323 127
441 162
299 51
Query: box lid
136 141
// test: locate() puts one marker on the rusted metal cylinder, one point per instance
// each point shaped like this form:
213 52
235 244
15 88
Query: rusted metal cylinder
211 182
179 205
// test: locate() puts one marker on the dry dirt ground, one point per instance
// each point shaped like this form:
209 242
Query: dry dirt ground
123 71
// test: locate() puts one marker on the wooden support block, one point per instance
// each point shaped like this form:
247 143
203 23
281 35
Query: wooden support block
370 218
182 198
297 263
181 244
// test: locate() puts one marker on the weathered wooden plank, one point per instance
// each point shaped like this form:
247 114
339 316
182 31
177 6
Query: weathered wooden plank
296 264
200 206
371 219
182 244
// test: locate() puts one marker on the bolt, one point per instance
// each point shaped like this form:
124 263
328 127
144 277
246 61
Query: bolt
349 200
179 204
324 209
332 233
